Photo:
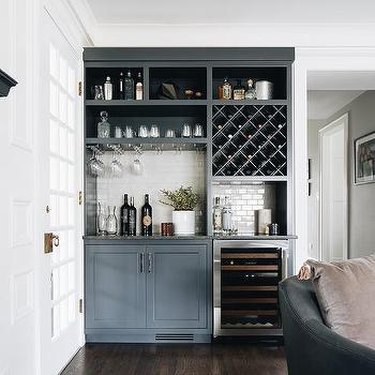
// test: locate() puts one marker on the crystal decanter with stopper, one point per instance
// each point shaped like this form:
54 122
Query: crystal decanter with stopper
104 127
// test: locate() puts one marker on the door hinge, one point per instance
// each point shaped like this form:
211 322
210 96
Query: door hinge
80 88
80 197
80 306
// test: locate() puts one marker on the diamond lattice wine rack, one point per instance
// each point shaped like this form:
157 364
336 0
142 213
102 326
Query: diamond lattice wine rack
249 140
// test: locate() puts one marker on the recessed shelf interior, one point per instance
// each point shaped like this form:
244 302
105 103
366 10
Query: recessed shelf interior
97 76
165 117
183 78
276 75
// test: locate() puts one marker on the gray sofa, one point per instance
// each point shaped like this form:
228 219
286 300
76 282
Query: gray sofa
311 347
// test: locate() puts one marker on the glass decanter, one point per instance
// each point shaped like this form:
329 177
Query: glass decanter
250 92
104 128
112 222
101 221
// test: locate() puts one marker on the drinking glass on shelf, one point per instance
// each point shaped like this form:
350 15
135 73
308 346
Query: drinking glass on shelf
98 92
154 131
143 132
198 130
118 132
186 130
170 133
129 132
111 222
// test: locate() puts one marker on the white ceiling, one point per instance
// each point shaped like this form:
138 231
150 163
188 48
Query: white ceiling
322 104
233 11
328 92
324 80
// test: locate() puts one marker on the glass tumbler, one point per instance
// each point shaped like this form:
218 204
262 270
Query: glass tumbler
186 130
198 130
154 131
143 132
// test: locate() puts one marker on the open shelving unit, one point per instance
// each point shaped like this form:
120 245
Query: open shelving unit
245 141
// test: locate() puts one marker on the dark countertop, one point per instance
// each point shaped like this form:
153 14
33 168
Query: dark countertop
196 237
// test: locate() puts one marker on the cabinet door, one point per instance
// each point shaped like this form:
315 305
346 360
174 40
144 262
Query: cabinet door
115 287
177 286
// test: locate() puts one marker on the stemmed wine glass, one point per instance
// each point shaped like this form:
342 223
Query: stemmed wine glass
96 165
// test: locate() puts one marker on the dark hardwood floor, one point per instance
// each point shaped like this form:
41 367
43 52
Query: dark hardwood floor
177 359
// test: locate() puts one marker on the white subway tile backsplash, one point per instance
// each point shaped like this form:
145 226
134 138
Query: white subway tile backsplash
245 200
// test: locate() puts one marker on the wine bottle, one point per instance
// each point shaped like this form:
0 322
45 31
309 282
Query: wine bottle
139 87
132 218
121 92
124 217
129 86
147 218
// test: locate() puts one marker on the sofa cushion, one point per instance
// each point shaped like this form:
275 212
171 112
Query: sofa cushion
346 295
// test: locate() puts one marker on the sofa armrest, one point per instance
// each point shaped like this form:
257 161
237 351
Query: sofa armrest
312 348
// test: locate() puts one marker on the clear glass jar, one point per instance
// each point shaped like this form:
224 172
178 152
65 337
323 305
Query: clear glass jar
101 221
104 127
112 222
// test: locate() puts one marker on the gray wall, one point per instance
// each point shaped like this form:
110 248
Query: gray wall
361 197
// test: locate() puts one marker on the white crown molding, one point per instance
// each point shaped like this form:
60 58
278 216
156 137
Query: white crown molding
70 23
241 35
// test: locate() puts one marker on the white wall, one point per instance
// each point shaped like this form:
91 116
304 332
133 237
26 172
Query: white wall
361 203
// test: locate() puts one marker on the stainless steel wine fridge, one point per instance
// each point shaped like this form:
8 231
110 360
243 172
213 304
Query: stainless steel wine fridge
246 277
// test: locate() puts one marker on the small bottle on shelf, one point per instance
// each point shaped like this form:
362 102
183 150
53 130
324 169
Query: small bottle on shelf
124 216
238 91
227 216
108 89
217 217
227 90
132 218
121 92
139 87
129 86
147 218
250 92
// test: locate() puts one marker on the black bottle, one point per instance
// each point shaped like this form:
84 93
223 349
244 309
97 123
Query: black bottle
146 218
129 86
124 217
121 91
132 218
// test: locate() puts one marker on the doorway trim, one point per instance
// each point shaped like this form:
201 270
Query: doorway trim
315 59
342 120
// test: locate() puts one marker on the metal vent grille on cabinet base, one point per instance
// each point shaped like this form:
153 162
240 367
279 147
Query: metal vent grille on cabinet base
174 337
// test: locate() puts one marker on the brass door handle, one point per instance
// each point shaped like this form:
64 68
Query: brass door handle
50 240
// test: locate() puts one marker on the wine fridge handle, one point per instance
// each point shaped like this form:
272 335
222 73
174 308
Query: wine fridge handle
149 262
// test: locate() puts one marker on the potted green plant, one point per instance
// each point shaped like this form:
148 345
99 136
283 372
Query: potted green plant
184 200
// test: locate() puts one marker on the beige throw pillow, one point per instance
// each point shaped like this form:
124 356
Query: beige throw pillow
346 294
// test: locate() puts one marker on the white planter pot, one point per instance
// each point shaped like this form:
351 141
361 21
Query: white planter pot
184 223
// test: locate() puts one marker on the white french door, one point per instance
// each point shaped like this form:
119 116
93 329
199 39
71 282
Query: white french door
61 323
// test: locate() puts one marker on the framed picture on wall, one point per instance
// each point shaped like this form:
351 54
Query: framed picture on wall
364 159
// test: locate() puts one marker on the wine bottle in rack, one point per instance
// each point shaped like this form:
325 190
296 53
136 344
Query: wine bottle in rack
132 218
146 218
